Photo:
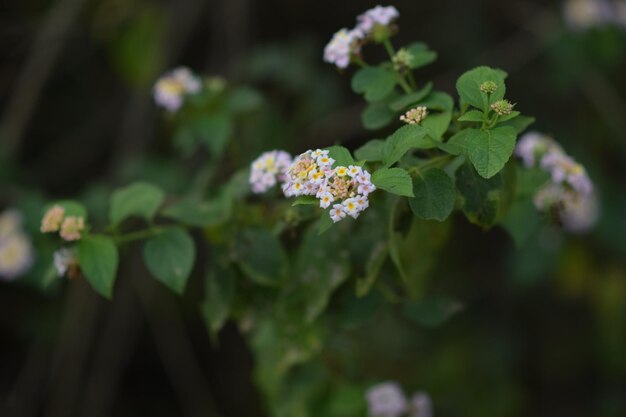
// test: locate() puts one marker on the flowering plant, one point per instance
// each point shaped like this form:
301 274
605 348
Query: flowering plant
372 217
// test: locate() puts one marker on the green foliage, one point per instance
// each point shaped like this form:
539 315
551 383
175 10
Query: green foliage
475 189
377 115
138 199
341 156
411 99
375 83
421 55
261 257
219 289
404 139
394 180
214 130
170 256
72 208
434 195
372 151
202 213
98 259
468 86
432 311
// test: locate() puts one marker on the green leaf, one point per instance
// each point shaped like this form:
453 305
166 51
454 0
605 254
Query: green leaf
422 56
438 100
520 123
410 99
170 256
472 116
214 130
522 221
200 213
509 116
468 86
341 156
324 223
219 288
374 264
432 311
478 207
377 115
98 259
243 99
261 257
434 195
404 139
374 82
394 180
490 149
437 124
371 151
139 199
305 200
530 180
458 144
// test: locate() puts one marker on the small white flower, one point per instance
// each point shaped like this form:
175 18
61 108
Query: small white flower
267 169
63 259
16 255
378 15
352 207
342 46
386 400
354 170
326 199
337 213
364 178
366 188
325 161
170 89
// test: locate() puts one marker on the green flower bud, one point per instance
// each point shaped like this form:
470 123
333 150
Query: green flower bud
488 87
402 59
502 107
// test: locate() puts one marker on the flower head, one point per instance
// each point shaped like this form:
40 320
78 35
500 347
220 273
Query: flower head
72 227
51 221
532 147
414 116
170 89
402 59
377 16
16 255
488 87
342 46
386 400
421 405
10 222
502 107
267 169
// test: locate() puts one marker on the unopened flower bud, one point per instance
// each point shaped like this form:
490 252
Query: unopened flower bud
488 87
402 59
415 116
51 221
72 227
502 107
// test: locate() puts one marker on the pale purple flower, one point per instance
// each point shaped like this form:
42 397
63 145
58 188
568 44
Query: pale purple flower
342 46
10 222
378 15
421 405
564 169
585 14
16 255
533 145
579 214
386 400
268 169
169 91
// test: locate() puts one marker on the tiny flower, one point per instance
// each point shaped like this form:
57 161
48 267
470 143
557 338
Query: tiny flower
326 199
502 107
488 87
318 152
354 170
16 255
377 16
337 213
415 116
402 59
170 89
366 188
342 46
421 405
363 178
325 160
533 146
51 221
64 259
72 227
362 202
386 400
341 171
352 207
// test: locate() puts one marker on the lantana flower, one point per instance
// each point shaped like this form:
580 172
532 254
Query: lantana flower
65 259
386 400
52 220
72 228
16 250
268 169
169 90
379 15
342 46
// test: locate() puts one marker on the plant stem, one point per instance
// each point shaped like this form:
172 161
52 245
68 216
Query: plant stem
138 235
359 61
389 47
434 162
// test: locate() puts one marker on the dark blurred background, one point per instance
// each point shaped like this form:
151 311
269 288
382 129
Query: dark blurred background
544 329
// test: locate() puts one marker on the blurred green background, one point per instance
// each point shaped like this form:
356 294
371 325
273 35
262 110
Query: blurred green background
543 327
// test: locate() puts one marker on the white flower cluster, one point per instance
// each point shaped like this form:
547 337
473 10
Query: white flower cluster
169 90
268 169
570 190
16 251
388 400
346 43
65 260
585 14
312 173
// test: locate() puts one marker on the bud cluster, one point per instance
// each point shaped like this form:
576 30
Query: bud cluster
70 228
489 87
402 59
502 107
415 115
